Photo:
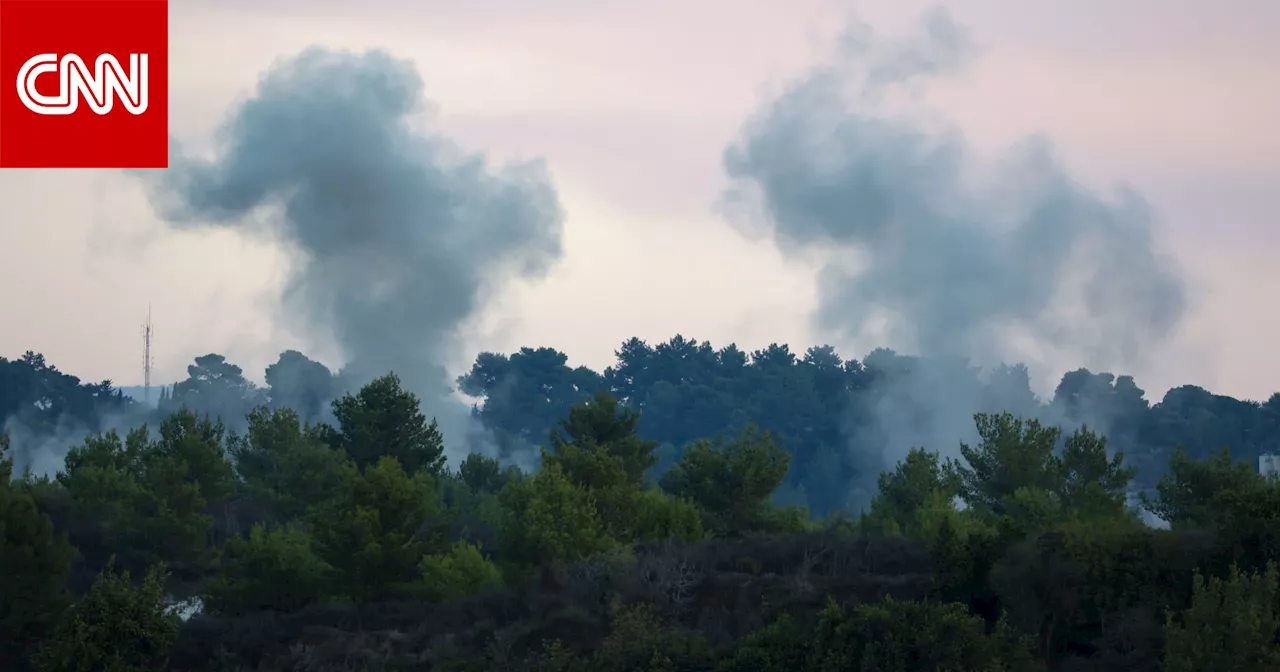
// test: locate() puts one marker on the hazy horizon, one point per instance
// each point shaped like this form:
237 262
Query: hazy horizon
632 110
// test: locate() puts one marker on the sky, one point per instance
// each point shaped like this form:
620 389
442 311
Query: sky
632 105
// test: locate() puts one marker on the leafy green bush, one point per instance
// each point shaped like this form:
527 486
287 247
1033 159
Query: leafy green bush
273 568
461 571
116 627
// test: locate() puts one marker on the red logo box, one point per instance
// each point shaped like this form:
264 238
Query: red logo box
84 83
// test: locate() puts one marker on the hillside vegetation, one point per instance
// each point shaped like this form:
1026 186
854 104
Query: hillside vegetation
692 509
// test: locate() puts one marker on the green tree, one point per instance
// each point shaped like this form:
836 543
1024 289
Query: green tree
597 444
214 387
194 447
461 571
384 419
549 518
597 450
34 564
301 383
286 462
115 627
1012 454
377 528
528 392
1206 493
1231 624
1014 473
144 497
731 481
470 509
1093 484
481 473
650 514
273 568
1239 506
914 498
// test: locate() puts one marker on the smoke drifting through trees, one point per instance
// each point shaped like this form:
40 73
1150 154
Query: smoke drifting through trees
398 236
923 257
318 546
44 411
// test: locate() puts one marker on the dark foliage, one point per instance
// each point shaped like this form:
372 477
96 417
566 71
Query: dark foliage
337 539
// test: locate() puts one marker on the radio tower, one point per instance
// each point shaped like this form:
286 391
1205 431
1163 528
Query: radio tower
146 359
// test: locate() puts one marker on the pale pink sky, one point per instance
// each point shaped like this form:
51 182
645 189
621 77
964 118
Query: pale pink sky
631 104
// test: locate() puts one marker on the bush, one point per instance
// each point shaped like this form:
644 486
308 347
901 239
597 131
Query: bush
116 627
460 572
272 569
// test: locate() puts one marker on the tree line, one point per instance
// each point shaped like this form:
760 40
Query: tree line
843 421
337 537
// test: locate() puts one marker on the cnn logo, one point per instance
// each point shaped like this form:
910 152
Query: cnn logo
99 87
85 84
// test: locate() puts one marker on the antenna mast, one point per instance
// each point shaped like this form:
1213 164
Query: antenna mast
146 359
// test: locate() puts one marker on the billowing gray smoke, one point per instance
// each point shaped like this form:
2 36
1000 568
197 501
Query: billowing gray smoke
921 255
398 235
955 268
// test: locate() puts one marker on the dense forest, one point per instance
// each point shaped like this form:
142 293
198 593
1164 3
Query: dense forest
693 507
689 508
843 422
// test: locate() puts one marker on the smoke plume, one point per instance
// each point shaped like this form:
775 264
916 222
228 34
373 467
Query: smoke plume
921 252
43 448
398 235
